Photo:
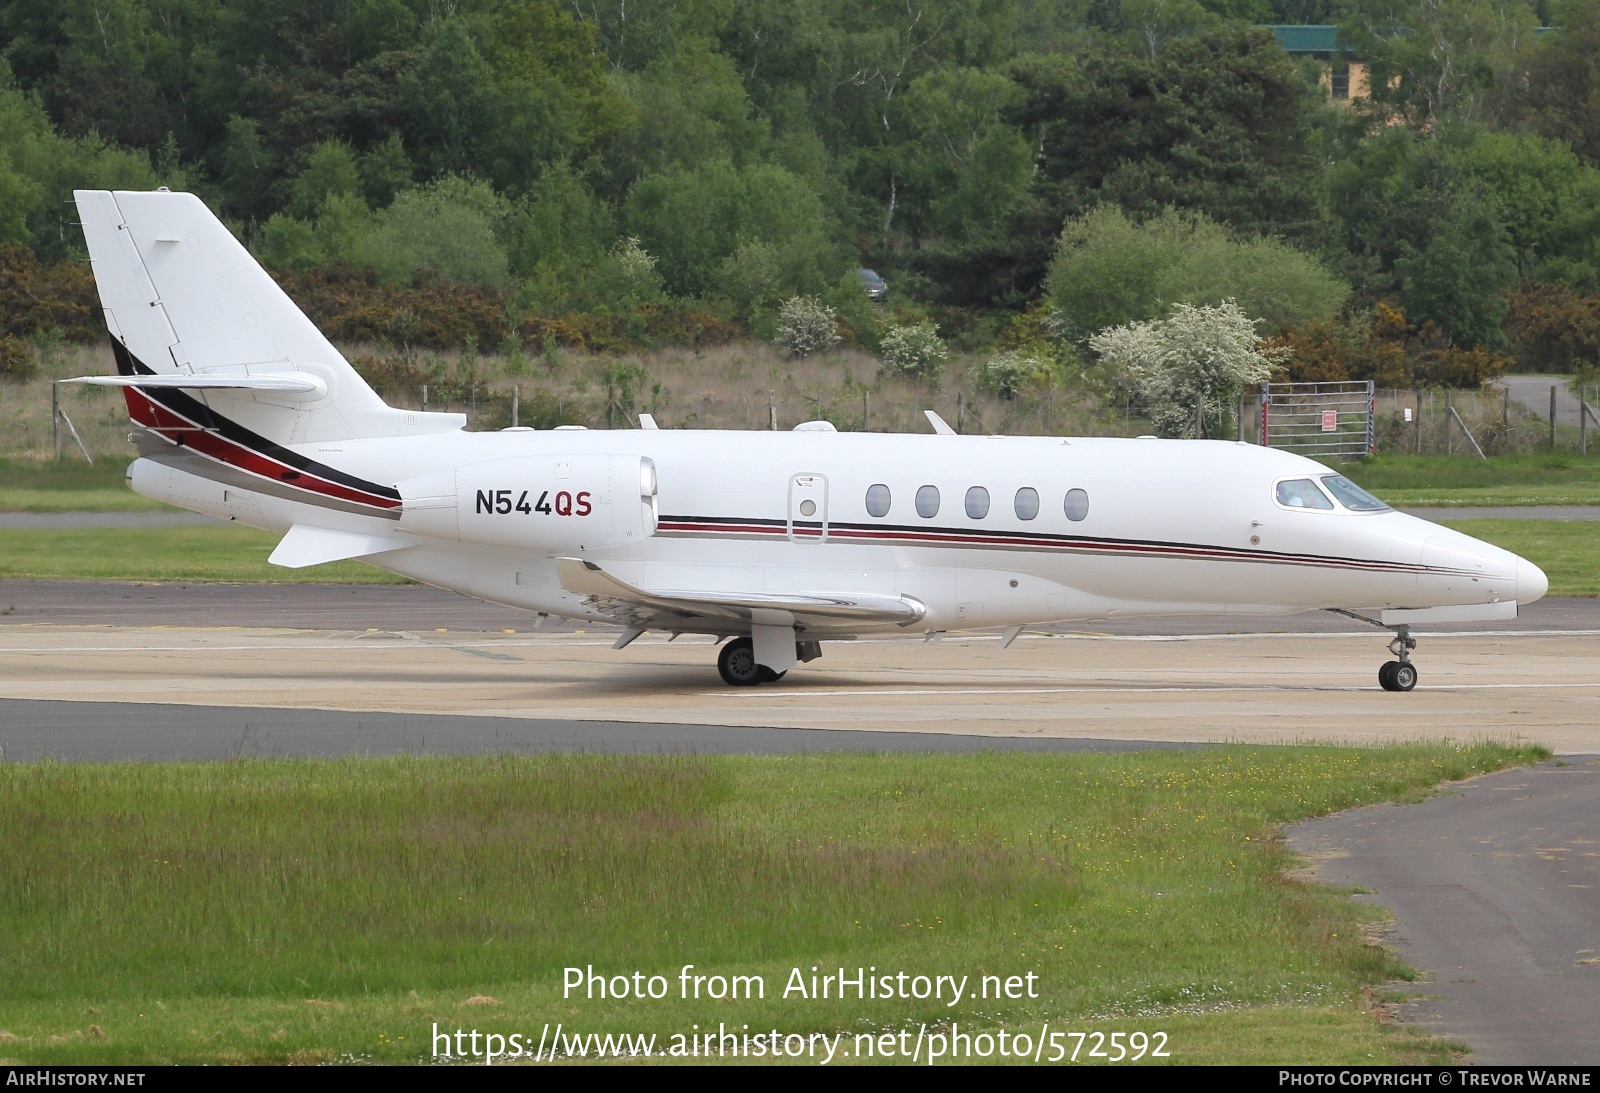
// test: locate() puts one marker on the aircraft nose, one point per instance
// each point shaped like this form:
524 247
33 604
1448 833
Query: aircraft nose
1532 584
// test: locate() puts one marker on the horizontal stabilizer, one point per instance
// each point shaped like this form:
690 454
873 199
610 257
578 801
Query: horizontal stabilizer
585 578
306 545
300 384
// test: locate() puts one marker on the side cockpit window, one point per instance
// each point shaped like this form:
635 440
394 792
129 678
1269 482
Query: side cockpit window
1352 496
1302 493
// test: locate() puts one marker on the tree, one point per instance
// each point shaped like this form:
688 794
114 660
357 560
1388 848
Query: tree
1435 61
1559 94
1458 282
1190 367
1220 123
1109 270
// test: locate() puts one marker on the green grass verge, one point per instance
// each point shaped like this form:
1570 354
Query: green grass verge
70 486
198 553
298 910
1559 478
1567 550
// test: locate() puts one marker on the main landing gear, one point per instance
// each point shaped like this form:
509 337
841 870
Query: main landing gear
1399 674
737 665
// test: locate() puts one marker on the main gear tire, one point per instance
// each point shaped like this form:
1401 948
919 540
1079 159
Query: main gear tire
737 664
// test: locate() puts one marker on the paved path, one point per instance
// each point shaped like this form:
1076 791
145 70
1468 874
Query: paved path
1496 893
1533 394
116 731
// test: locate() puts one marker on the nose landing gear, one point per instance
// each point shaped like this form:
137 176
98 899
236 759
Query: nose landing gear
1399 674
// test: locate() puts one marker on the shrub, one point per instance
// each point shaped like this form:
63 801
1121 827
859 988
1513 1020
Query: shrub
806 325
17 361
1191 365
914 350
1007 374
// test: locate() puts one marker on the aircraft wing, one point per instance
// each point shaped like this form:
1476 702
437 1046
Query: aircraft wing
586 578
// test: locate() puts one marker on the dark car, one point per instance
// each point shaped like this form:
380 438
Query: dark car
876 288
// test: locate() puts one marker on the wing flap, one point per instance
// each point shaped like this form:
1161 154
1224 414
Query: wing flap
585 578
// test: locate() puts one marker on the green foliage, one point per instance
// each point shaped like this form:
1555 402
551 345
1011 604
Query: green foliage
1559 96
330 171
39 169
695 220
17 359
449 227
1009 374
1457 282
1109 270
1450 56
915 350
1219 122
36 300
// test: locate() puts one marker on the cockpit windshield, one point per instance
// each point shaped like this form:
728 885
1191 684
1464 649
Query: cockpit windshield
1352 496
1302 493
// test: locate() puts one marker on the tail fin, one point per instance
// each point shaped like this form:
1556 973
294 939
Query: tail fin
183 298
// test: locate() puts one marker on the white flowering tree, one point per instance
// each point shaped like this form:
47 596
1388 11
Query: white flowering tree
914 350
1189 367
806 325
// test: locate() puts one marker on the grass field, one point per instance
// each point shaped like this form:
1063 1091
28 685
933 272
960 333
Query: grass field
283 910
1559 478
1568 552
189 553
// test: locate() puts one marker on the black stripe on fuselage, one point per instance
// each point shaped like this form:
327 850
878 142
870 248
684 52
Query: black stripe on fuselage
185 405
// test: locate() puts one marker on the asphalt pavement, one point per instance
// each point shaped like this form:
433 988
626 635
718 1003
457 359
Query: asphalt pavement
1495 888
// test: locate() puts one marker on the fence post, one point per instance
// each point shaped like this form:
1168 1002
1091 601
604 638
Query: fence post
55 418
1552 417
866 413
772 410
516 403
961 411
424 398
1449 441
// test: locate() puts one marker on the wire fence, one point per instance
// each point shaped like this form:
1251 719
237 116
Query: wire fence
40 420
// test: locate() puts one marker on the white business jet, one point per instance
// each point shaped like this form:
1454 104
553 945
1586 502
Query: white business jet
777 541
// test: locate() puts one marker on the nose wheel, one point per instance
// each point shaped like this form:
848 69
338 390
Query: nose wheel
1399 674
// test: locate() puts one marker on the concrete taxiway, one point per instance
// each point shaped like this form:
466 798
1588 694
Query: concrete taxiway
1493 894
1538 680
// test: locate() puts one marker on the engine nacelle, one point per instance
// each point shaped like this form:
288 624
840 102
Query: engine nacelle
545 503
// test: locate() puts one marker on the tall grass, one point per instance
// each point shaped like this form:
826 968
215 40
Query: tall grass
1130 884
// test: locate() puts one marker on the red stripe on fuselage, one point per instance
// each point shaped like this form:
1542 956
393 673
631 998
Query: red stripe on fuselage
181 430
1041 543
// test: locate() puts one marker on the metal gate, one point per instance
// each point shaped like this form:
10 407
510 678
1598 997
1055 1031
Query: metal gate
1320 420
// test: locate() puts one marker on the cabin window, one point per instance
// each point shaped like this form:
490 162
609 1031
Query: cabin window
1352 496
928 502
878 500
1076 504
1302 493
977 502
1027 503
